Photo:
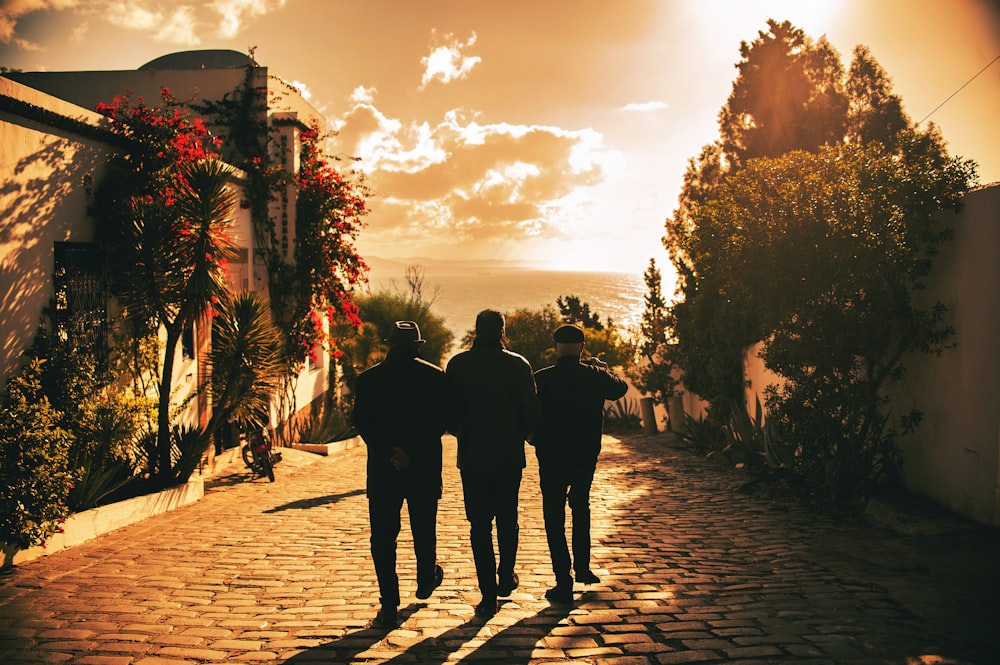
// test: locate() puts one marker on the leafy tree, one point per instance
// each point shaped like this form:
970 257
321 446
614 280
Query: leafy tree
874 113
789 95
573 310
813 238
852 317
654 373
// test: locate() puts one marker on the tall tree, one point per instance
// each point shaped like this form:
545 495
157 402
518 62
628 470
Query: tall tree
654 371
810 225
874 113
789 94
183 243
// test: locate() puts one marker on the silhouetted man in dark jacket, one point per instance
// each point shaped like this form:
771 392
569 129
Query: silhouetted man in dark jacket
567 444
400 410
495 407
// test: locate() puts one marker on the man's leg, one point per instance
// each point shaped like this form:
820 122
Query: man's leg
477 488
383 514
506 501
579 503
423 525
554 486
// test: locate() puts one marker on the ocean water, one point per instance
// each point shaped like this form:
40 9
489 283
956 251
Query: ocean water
460 291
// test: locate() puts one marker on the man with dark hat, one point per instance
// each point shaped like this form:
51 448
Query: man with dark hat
567 444
400 410
495 410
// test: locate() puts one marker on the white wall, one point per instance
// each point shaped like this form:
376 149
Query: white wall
43 201
953 456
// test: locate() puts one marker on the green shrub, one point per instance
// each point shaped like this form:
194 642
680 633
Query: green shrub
35 477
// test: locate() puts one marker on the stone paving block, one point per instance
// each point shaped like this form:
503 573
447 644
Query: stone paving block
678 657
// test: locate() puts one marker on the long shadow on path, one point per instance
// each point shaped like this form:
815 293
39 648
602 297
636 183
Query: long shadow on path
313 502
512 645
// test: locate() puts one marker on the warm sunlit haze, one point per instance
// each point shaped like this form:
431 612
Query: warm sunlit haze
555 132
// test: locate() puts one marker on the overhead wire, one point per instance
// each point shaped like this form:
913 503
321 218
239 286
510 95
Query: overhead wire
990 64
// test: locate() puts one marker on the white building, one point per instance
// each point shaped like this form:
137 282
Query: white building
53 145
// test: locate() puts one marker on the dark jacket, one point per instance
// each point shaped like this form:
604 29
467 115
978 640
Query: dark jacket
402 403
495 407
572 396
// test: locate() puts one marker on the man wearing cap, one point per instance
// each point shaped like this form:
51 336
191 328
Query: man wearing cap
567 444
400 410
495 409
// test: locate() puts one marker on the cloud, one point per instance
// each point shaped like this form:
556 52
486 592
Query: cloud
646 106
302 88
447 62
79 33
362 95
176 27
460 181
164 22
235 12
12 10
179 28
133 16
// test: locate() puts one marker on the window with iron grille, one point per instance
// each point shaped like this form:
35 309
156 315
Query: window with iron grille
81 296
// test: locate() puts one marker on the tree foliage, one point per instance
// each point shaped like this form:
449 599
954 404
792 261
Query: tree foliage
789 94
653 372
810 225
574 311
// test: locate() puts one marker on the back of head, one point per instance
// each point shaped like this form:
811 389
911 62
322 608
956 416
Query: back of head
489 326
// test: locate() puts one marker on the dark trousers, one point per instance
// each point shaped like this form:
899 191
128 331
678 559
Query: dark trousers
492 495
557 485
384 508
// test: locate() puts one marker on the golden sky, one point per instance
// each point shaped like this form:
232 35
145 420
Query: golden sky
551 131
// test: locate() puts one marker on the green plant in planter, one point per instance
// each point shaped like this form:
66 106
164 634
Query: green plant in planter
35 478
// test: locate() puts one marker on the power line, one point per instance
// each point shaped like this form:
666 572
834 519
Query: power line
959 90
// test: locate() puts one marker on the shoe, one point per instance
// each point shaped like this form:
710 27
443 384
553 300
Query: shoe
386 619
560 593
506 586
424 591
587 577
487 608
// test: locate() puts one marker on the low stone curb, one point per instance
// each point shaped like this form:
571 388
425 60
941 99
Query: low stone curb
87 525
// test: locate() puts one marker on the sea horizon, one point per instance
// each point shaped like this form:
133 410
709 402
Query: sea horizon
460 289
